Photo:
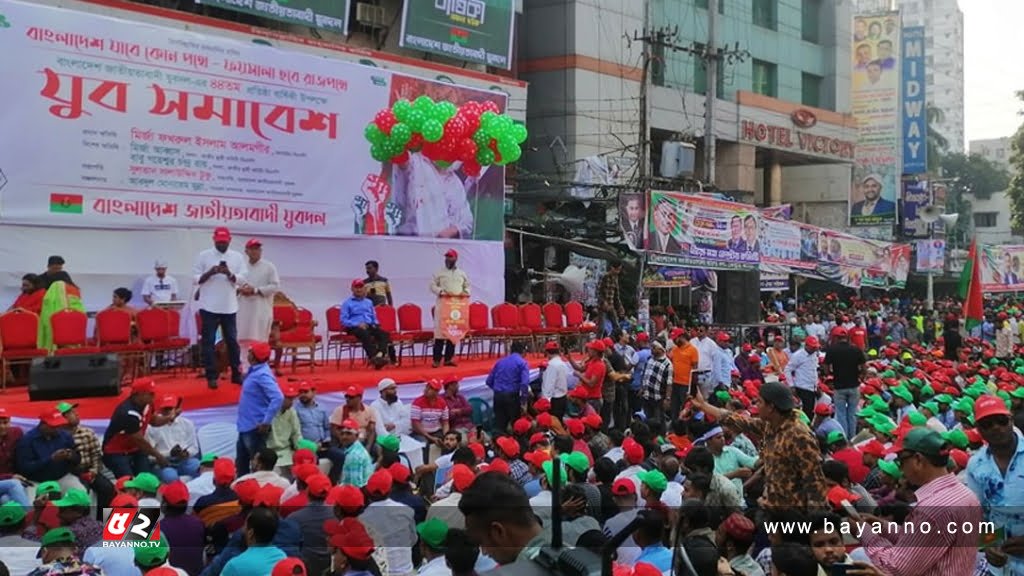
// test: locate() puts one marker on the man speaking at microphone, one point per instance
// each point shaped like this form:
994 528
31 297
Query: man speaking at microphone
448 282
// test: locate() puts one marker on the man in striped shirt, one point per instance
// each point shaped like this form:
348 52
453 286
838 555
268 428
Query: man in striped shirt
940 536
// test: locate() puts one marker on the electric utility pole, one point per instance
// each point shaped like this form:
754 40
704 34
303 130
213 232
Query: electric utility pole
711 93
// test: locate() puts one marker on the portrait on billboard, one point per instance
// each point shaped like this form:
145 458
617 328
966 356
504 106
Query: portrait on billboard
808 243
663 217
632 219
870 190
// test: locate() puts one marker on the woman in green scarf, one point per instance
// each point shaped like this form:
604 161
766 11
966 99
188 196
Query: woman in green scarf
61 295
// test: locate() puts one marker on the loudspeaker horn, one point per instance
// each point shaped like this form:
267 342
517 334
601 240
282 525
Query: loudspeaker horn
949 219
930 213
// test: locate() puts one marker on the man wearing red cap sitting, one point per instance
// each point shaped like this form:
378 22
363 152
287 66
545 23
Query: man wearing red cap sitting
392 525
448 282
126 451
310 520
358 465
359 318
185 533
352 550
219 272
256 298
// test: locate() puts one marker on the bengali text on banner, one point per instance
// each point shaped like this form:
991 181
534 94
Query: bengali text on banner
478 31
1001 268
124 125
694 230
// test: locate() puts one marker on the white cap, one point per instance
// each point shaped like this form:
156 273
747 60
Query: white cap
385 384
160 264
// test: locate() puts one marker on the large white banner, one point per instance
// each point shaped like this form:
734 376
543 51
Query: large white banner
117 124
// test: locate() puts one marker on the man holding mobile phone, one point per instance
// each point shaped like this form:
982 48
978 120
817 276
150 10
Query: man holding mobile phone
218 272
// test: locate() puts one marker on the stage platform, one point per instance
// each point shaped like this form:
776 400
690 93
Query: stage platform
213 411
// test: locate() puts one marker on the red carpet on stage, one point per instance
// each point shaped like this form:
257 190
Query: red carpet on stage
192 386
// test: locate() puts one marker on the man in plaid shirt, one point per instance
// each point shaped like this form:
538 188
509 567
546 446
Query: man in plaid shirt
88 446
608 298
655 382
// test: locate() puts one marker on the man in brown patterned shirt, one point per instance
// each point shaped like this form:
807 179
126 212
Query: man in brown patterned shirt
609 301
790 455
87 443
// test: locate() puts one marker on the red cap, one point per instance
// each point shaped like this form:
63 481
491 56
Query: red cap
289 567
253 243
3 413
305 386
353 392
451 253
840 332
873 448
812 341
162 571
723 337
500 466
960 458
435 383
987 405
358 283
593 421
643 337
608 343
221 234
551 346
624 487
166 401
747 348
596 345
289 391
542 405
379 483
575 427
544 420
537 457
303 456
346 497
175 493
645 569
350 424
462 476
124 501
676 333
399 473
247 491
303 471
973 436
478 450
143 385
538 438
119 483
837 494
577 392
634 451
522 426
739 527
508 446
261 351
823 409
53 418
268 496
352 539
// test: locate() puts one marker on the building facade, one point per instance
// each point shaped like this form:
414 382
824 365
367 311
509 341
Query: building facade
995 150
781 116
943 22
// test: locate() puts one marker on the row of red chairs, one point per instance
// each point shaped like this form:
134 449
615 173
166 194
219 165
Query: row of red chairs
135 338
497 327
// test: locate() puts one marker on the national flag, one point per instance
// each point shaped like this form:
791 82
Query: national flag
459 35
66 203
970 289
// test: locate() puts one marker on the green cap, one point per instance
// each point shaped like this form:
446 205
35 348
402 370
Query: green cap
51 487
653 479
955 437
916 382
11 514
1003 394
145 482
888 373
890 469
908 369
866 412
549 472
150 557
973 392
944 399
878 404
723 396
833 437
924 441
902 392
74 497
62 535
927 391
305 444
931 406
389 442
917 419
577 461
208 459
964 405
65 407
803 417
1018 393
433 532
882 424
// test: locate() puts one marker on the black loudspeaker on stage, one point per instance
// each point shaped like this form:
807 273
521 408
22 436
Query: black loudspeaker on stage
739 298
62 377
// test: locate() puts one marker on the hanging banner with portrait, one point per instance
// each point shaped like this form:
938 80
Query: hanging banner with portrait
632 212
695 230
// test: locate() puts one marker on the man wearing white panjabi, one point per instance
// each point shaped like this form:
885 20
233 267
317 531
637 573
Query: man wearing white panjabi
433 200
256 299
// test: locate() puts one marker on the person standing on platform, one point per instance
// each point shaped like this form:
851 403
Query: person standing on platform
378 288
609 300
159 287
447 283
259 403
256 299
219 271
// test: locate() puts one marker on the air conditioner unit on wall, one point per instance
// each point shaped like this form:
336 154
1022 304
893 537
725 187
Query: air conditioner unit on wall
369 15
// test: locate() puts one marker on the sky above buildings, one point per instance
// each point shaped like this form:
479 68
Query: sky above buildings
992 72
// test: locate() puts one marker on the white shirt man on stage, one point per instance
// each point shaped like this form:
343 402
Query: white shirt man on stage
447 282
256 298
218 272
159 287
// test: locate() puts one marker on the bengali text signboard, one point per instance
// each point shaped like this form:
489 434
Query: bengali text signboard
478 31
323 14
701 231
126 125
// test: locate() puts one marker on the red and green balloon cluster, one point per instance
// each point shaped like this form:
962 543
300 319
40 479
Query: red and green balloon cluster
475 134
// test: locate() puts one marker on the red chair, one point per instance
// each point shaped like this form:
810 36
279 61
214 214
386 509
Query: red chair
338 340
114 335
70 334
480 332
530 317
410 324
574 319
554 322
158 334
19 334
507 316
297 337
387 318
304 317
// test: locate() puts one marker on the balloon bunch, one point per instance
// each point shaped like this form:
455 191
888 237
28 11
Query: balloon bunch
475 134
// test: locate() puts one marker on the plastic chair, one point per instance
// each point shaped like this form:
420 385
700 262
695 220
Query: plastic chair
410 324
19 333
70 334
296 339
338 340
114 335
483 415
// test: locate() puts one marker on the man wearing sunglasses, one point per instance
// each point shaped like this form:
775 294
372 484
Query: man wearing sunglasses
944 523
992 476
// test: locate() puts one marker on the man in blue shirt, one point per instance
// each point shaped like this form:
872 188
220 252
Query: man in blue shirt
648 538
47 452
510 381
316 427
359 318
259 402
723 362
260 555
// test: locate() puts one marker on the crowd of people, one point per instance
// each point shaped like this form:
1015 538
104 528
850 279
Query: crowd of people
867 439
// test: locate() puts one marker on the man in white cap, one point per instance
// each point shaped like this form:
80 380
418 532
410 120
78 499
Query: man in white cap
448 282
159 287
873 203
392 417
256 298
219 272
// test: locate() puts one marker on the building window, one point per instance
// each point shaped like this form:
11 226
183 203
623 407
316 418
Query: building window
811 14
704 4
764 13
764 78
811 90
985 219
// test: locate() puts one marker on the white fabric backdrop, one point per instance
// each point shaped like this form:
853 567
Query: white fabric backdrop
315 272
